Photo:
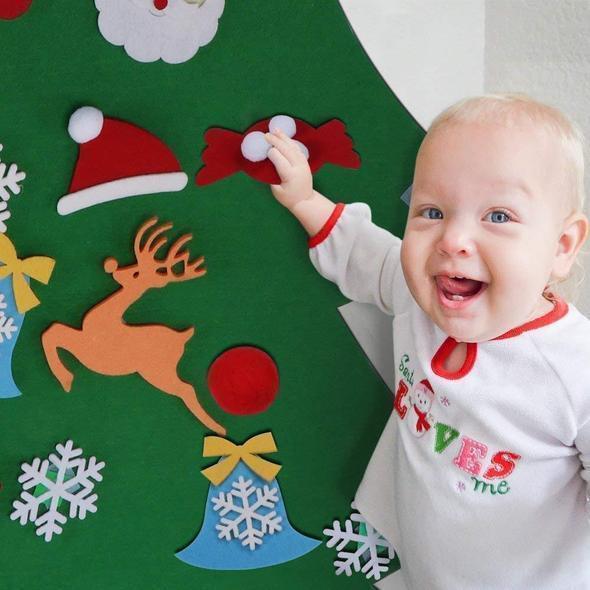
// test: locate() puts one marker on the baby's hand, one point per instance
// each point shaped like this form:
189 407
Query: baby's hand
293 169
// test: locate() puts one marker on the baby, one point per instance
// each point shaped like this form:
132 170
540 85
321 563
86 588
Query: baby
479 478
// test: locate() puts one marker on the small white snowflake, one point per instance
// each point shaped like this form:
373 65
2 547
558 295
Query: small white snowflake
369 553
9 183
7 327
63 477
445 401
461 486
248 513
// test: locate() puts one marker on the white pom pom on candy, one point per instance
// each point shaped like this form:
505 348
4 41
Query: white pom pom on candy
255 147
85 124
283 122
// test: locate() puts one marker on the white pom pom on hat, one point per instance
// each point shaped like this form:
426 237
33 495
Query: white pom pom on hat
85 124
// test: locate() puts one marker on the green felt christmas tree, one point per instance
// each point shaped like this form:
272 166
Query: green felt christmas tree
264 58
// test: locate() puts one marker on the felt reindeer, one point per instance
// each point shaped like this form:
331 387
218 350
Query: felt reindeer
107 345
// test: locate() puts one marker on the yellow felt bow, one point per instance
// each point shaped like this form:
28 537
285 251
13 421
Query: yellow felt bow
215 446
36 267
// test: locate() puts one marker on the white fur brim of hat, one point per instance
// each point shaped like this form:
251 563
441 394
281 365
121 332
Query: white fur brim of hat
120 189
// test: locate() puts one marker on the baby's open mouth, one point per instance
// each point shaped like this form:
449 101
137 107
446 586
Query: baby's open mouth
459 288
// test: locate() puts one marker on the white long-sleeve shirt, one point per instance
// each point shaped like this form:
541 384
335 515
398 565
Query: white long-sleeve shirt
479 478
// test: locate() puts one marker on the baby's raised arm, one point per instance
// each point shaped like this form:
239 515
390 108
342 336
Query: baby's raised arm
296 190
346 247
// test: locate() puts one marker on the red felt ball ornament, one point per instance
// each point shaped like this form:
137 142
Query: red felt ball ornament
10 9
160 4
243 380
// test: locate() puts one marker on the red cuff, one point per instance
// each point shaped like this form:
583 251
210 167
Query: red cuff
327 227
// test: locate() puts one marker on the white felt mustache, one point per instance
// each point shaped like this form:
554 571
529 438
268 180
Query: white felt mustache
170 30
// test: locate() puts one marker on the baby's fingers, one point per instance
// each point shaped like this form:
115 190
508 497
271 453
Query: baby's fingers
278 191
286 146
282 165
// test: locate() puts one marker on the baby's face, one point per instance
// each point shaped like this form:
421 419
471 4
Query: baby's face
487 204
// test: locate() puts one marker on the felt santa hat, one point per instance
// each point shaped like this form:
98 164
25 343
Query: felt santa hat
116 160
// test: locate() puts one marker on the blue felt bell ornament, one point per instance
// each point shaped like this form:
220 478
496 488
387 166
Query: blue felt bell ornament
16 298
246 524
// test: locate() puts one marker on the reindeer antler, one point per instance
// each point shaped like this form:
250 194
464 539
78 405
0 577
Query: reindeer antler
190 268
149 249
146 254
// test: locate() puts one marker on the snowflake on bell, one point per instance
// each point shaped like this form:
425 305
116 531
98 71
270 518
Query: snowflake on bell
246 524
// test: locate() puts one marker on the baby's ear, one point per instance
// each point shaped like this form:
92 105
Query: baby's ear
573 235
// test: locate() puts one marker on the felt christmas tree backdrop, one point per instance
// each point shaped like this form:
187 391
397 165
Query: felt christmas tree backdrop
254 346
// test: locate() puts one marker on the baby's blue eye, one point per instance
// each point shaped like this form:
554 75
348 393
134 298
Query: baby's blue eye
499 217
432 213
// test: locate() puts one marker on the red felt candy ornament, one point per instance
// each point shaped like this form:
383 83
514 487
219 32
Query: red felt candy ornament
326 144
243 380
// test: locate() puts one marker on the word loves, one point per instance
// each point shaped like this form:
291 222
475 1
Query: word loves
471 456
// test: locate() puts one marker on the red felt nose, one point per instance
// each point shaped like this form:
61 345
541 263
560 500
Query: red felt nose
160 4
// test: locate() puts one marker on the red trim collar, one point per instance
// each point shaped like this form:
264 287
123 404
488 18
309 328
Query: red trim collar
327 227
560 308
438 360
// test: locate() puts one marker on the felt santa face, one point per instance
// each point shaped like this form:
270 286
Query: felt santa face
170 30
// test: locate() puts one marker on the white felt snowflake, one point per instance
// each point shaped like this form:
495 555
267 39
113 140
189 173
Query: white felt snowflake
252 517
368 552
9 182
10 179
7 327
4 216
63 477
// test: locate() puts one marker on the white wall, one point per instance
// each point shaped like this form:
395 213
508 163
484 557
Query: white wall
430 52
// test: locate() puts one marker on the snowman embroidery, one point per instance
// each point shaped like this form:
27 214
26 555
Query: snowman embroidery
421 399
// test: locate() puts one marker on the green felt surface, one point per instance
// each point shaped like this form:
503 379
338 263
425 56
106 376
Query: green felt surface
283 56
